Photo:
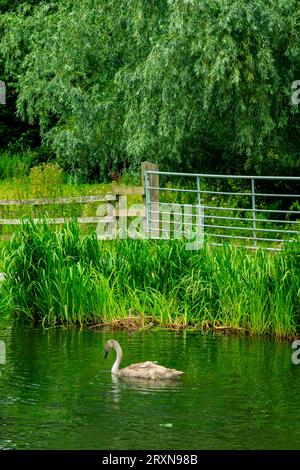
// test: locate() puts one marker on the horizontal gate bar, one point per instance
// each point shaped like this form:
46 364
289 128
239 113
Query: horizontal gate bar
205 175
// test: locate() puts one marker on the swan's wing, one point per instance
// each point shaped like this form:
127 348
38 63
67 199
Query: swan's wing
140 365
146 365
149 370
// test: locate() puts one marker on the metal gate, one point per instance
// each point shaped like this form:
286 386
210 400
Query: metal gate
250 211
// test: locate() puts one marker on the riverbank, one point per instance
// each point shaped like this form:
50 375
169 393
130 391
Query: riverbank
59 277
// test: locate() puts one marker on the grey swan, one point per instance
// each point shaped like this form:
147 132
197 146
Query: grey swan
142 370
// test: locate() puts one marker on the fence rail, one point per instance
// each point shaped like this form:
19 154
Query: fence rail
112 197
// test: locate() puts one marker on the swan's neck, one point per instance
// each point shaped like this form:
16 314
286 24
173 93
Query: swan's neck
115 367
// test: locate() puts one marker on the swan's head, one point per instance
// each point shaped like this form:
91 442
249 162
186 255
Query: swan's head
111 344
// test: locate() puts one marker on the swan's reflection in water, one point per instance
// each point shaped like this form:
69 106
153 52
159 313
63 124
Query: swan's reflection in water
143 386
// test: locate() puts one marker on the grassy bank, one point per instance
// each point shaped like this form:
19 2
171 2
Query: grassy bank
58 277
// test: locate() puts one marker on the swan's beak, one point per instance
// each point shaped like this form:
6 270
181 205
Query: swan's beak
105 354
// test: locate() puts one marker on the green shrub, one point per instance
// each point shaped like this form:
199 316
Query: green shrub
14 165
46 180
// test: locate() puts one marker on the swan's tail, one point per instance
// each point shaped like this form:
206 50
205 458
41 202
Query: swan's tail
176 373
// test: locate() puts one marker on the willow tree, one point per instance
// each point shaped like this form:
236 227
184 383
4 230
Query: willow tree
14 133
215 90
193 84
64 57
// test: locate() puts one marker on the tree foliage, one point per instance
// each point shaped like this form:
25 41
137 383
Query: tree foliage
14 133
191 84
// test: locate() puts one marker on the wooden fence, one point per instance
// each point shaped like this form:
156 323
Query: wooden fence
112 196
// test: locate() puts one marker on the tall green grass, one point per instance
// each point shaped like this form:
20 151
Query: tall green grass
58 277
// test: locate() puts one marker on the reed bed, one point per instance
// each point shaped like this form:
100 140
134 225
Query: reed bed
60 277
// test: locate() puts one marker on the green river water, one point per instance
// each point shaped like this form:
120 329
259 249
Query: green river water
57 392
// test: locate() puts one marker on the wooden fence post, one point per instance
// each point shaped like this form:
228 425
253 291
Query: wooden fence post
153 216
